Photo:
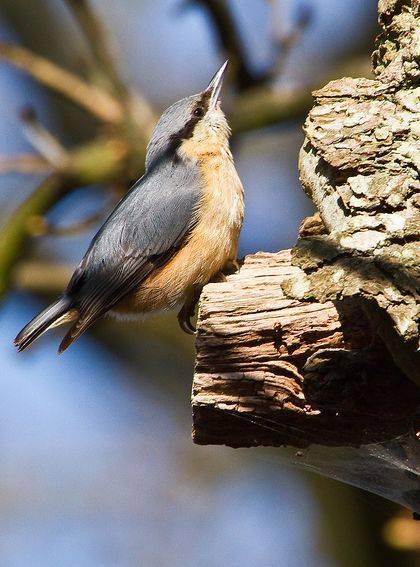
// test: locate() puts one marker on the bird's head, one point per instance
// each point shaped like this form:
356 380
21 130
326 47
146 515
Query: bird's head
193 126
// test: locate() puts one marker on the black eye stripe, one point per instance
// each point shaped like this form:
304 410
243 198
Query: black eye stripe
187 131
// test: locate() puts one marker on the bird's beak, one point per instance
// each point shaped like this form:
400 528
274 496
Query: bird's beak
215 86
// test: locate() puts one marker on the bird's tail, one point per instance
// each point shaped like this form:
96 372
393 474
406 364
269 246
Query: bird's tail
79 327
56 314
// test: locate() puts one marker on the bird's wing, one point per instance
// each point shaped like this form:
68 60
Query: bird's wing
142 233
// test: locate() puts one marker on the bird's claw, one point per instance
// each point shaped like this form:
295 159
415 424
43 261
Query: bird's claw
184 320
218 278
231 267
188 310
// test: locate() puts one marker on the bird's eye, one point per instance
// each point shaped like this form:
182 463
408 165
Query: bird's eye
199 111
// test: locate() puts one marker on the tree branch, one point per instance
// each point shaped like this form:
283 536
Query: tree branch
317 355
99 43
41 276
94 100
42 140
15 232
39 226
134 104
26 163
297 363
266 106
285 42
229 42
271 370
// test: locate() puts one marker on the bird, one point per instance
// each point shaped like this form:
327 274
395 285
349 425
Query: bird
174 231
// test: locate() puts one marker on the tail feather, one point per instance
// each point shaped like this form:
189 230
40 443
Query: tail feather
74 332
57 313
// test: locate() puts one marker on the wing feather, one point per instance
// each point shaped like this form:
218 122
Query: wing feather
142 233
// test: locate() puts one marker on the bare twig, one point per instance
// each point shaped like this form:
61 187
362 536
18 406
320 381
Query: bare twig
15 231
39 226
41 276
265 106
91 98
25 163
100 44
285 42
42 140
229 42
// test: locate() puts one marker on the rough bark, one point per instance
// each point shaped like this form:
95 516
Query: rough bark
320 347
296 372
360 165
274 370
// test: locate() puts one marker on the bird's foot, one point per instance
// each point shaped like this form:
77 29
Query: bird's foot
218 278
230 267
184 320
187 311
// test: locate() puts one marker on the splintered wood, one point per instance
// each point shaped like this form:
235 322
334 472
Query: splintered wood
272 370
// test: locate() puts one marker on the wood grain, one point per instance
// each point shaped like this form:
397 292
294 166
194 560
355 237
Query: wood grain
272 370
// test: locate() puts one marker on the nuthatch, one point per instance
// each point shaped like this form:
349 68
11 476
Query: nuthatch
174 231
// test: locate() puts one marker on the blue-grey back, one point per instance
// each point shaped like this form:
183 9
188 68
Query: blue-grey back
144 229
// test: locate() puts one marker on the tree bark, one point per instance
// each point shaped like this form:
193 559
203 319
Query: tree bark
319 346
274 370
360 165
315 370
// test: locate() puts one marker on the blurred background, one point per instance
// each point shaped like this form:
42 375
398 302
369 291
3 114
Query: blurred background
97 466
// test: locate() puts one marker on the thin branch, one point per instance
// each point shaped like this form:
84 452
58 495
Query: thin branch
134 104
42 140
41 276
94 100
15 231
102 161
26 163
265 106
284 42
229 42
40 226
99 44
